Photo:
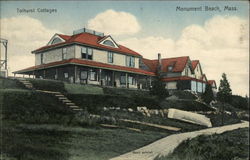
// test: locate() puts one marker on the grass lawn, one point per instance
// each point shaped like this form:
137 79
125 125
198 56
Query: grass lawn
232 145
56 142
82 89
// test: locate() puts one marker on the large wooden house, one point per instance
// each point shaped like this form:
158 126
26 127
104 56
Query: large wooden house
90 57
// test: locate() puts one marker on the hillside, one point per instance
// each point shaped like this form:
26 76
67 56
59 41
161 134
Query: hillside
36 124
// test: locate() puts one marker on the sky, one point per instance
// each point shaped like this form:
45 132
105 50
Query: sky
218 38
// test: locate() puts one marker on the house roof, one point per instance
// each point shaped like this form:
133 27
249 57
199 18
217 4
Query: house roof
90 63
89 40
211 82
194 63
178 64
170 79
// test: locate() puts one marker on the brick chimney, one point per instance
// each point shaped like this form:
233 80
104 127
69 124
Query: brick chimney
159 62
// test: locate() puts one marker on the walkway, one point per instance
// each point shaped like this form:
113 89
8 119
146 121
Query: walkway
166 145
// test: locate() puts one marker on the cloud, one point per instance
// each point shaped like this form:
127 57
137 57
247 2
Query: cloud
24 34
221 45
115 23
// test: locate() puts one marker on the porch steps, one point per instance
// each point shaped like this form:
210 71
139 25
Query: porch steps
61 97
26 83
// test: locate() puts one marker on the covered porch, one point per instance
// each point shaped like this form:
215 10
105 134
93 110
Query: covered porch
73 73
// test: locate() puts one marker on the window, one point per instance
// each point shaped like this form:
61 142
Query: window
56 40
83 75
87 53
92 75
41 58
66 75
110 57
131 80
170 68
109 43
130 61
64 53
186 71
123 79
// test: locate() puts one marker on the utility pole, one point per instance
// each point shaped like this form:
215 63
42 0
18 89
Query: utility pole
3 62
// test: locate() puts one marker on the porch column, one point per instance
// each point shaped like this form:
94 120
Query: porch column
100 76
137 82
75 73
56 74
44 74
150 81
113 78
127 80
33 74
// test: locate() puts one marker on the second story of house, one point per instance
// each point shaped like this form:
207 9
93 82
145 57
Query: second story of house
88 45
169 67
196 66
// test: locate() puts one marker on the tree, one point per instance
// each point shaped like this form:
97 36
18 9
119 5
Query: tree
158 88
224 94
208 95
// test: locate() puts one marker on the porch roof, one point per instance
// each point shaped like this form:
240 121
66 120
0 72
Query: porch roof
83 62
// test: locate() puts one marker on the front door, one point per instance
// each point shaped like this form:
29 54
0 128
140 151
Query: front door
108 79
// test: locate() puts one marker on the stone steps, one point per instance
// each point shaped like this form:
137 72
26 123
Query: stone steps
62 98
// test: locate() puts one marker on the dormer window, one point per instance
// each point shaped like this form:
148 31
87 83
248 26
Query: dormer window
56 40
109 43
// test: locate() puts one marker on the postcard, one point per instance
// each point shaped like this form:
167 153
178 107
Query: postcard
124 80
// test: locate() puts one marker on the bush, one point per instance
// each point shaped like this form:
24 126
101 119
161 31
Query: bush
95 103
184 95
50 85
158 89
23 106
239 102
230 145
6 83
125 92
186 105
208 95
82 89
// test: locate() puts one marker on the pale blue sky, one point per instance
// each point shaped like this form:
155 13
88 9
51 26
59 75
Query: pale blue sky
158 18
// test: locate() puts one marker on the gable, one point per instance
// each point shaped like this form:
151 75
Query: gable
55 40
108 41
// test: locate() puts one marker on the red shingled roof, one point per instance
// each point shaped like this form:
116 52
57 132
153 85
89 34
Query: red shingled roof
151 64
89 40
178 64
170 79
195 63
86 63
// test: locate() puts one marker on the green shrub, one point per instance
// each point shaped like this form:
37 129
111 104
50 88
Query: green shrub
184 95
240 102
50 85
187 105
95 103
6 83
158 89
82 89
227 146
125 92
22 106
